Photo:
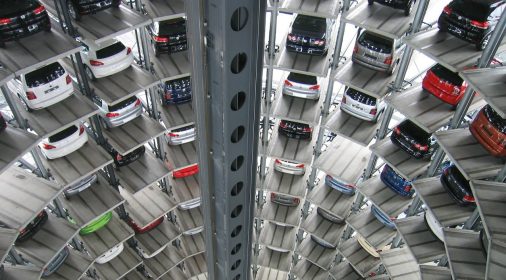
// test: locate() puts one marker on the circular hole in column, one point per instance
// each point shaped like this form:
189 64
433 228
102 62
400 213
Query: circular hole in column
237 163
238 100
239 19
237 188
237 134
236 265
236 231
236 212
238 63
236 249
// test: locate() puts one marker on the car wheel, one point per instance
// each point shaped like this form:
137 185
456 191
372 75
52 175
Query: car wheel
408 8
89 73
443 26
370 2
484 42
25 106
48 29
73 11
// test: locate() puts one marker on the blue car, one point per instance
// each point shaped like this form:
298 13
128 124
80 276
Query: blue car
385 220
340 186
176 91
395 182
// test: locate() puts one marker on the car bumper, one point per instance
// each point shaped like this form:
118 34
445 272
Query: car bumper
398 189
371 64
180 140
408 149
36 105
111 69
305 49
340 187
301 93
194 203
171 48
294 134
96 7
289 170
194 231
392 4
81 185
388 223
434 226
117 121
486 142
111 254
451 192
18 33
358 113
63 151
57 262
442 95
459 32
323 243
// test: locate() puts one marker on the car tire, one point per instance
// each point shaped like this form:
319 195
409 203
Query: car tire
370 2
483 43
24 104
442 26
116 3
89 73
73 12
409 8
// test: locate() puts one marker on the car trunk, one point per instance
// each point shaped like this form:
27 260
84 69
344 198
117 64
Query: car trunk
112 54
123 106
65 136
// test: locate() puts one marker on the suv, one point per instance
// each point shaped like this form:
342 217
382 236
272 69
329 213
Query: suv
413 140
77 8
176 91
377 52
295 130
310 35
471 20
406 5
457 186
168 36
490 130
22 18
106 58
444 84
181 135
64 142
361 105
303 86
119 113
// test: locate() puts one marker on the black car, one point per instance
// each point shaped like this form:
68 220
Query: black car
21 18
471 20
309 35
78 8
329 216
295 130
457 186
33 227
413 140
176 91
122 160
57 262
3 123
406 5
168 36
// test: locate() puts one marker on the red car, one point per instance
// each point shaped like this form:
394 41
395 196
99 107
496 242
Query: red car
490 130
147 228
186 171
444 84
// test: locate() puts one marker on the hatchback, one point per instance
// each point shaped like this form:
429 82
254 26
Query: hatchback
119 113
181 135
110 254
185 171
3 123
289 167
96 224
22 18
377 52
405 5
146 228
295 130
361 105
310 35
64 142
322 242
80 186
176 91
490 131
57 262
301 85
413 140
444 84
106 58
78 8
283 199
339 186
382 218
471 20
43 87
329 216
369 248
33 227
396 182
168 36
457 186
123 160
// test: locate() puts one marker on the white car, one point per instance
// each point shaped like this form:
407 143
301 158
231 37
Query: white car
361 105
434 225
194 231
369 248
181 135
289 167
106 58
301 85
119 113
190 204
111 254
43 87
64 142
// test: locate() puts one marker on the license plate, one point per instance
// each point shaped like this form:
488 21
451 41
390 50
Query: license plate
51 89
369 56
32 27
487 131
455 29
299 49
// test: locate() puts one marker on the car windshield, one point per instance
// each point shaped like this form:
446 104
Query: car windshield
171 27
447 75
361 97
110 50
472 9
315 24
62 134
411 129
44 75
498 122
302 79
375 42
122 104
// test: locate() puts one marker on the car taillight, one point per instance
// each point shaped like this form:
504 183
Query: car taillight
119 157
407 188
373 111
22 231
81 129
273 196
39 10
282 124
31 95
277 161
137 102
355 49
96 63
129 50
68 79
397 130
296 200
350 186
288 84
315 87
447 10
393 218
422 148
160 39
173 134
388 60
4 21
46 146
168 95
468 198
344 99
307 129
292 37
112 115
480 24
300 165
319 42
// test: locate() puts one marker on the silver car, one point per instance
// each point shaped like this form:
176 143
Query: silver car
119 113
361 105
284 199
181 135
300 85
377 52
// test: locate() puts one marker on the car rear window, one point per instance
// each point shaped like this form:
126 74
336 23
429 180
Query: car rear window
361 97
302 79
474 10
44 75
498 122
122 104
110 50
62 134
447 75
184 128
375 42
414 131
171 27
455 172
314 24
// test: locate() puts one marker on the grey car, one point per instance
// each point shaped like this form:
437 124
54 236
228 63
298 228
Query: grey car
119 113
56 262
377 52
80 186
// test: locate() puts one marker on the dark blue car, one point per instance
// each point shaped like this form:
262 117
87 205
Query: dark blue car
340 186
396 182
382 218
176 91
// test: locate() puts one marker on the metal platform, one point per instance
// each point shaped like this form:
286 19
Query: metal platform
331 200
366 224
74 267
143 172
344 160
170 67
298 109
19 203
362 261
316 8
14 143
495 264
102 240
267 273
316 225
164 261
446 211
315 253
405 165
92 202
190 219
363 79
305 270
160 10
134 275
185 189
286 183
344 271
193 244
400 264
355 129
281 214
155 240
176 116
298 150
196 266
419 239
273 259
465 254
383 197
426 110
7 238
432 272
276 237
179 156
20 272
121 265
5 75
490 197
175 273
202 276
42 247
468 154
447 50
488 82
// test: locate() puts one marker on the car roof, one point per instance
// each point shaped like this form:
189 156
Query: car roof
487 2
97 46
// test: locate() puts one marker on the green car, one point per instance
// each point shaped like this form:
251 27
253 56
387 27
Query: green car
96 224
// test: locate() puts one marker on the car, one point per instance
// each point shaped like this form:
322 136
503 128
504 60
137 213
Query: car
3 123
105 58
382 218
186 171
42 87
413 140
489 129
285 200
21 19
457 186
119 113
396 182
310 35
80 186
110 254
405 5
78 8
124 160
369 248
329 216
434 225
377 52
334 183
301 85
295 130
444 84
33 227
322 242
190 204
168 36
177 91
289 167
361 105
181 135
64 142
194 231
57 262
96 224
471 20
146 228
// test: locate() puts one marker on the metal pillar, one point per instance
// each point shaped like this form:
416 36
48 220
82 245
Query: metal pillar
14 109
227 71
